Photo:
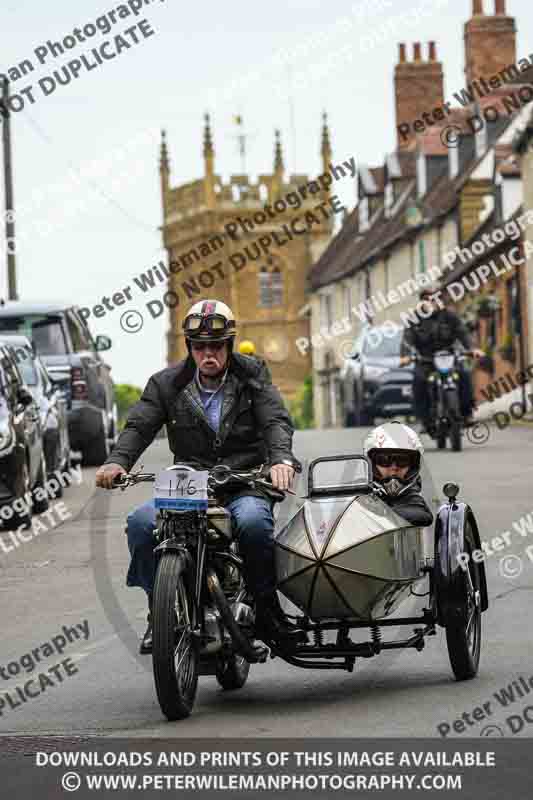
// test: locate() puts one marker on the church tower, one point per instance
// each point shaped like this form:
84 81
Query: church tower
251 246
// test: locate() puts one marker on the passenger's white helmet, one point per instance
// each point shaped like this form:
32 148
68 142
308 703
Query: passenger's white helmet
399 438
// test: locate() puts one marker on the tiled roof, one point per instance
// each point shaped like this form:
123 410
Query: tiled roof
347 253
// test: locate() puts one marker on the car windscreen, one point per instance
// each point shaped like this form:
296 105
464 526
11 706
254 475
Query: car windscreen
44 331
379 346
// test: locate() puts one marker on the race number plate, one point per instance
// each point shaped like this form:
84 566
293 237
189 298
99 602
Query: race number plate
181 490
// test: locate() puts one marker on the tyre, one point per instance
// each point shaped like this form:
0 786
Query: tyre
40 506
175 649
463 635
349 419
441 440
456 439
96 450
232 672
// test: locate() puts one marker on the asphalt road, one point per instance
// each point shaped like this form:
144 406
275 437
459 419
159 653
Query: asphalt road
75 572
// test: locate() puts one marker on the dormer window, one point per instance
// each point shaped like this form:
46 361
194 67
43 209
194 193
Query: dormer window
453 162
481 141
421 174
389 198
364 216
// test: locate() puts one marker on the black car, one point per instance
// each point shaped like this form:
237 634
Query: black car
22 464
372 382
61 338
52 405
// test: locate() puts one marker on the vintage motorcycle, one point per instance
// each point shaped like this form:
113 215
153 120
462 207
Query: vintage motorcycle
443 389
344 558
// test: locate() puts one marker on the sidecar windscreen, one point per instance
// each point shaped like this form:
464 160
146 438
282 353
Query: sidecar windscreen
344 474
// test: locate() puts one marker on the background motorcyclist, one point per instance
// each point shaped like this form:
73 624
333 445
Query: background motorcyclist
395 452
247 348
219 407
438 331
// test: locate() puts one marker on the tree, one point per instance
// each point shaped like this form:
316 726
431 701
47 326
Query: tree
126 396
301 408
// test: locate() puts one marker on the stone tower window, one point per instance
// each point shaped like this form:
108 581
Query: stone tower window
270 287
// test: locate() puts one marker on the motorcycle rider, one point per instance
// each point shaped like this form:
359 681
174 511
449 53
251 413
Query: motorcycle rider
438 331
247 348
219 407
395 452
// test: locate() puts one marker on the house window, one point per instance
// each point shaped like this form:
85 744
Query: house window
270 288
325 311
389 199
363 214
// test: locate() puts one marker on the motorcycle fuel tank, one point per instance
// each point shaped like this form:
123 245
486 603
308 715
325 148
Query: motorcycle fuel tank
347 558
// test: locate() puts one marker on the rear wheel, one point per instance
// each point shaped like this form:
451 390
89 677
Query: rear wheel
232 672
463 634
175 649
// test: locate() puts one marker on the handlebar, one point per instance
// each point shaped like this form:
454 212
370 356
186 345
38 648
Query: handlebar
417 358
219 475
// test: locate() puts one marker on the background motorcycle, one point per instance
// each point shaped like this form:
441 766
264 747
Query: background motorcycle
446 419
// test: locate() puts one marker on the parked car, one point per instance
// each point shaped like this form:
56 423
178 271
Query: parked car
22 464
372 382
62 339
51 401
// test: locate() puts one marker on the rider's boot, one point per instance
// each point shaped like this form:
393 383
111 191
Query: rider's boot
146 641
271 623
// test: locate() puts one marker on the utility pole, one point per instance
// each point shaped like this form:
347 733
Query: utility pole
8 191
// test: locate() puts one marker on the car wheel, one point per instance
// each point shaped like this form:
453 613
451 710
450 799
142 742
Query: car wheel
40 506
96 451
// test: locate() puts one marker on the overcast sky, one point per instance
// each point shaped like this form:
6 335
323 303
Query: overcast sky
278 64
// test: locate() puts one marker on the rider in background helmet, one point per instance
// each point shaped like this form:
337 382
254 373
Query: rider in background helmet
395 451
247 348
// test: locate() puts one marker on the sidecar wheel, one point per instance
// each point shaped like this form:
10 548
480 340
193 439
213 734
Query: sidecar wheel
175 649
232 672
463 634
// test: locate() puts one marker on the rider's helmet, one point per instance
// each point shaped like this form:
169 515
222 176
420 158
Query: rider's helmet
247 348
209 321
394 438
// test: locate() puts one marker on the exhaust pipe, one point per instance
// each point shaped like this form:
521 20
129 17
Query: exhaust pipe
240 642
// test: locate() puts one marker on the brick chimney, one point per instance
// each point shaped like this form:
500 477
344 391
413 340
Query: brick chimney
418 85
490 41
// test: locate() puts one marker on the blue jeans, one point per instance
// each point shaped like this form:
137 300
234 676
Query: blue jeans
253 525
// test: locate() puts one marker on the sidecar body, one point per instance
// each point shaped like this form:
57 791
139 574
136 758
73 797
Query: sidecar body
347 561
347 557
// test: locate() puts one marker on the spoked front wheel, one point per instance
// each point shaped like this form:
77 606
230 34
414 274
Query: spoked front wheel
175 651
463 634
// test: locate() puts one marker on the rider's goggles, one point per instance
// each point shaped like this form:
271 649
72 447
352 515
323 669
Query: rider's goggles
213 323
388 459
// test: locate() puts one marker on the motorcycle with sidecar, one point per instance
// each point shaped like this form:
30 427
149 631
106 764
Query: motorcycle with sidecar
344 559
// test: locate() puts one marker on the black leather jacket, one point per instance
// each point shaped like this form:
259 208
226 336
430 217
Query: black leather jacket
409 504
440 331
255 428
